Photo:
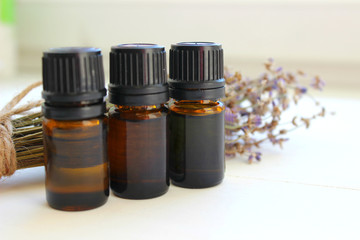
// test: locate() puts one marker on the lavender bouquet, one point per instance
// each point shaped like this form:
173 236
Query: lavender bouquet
254 108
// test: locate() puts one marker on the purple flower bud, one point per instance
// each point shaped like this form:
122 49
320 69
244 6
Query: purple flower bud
229 116
303 89
317 83
281 81
273 103
257 120
230 155
273 140
279 69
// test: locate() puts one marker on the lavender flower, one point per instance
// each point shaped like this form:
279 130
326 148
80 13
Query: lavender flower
230 117
317 83
279 69
256 155
254 108
257 120
303 90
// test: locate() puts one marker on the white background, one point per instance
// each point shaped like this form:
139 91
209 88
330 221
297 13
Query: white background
319 37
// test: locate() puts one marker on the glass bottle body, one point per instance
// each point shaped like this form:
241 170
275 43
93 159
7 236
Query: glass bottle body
138 153
196 154
77 175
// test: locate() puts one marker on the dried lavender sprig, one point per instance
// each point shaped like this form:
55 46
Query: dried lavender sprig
251 102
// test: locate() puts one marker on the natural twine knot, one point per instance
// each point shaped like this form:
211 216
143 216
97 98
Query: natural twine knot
7 149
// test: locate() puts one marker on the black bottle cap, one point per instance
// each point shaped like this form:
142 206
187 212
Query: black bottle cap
196 71
138 75
73 83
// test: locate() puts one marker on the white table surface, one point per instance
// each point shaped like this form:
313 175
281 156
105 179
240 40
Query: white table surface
308 190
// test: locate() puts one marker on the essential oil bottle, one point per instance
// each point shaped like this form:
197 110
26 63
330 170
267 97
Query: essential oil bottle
196 116
73 129
137 143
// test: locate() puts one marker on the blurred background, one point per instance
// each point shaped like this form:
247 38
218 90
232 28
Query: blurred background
317 36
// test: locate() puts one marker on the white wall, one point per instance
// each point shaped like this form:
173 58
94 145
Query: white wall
320 36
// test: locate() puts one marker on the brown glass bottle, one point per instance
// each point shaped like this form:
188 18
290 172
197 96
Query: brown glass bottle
196 143
74 132
196 116
137 151
137 143
75 162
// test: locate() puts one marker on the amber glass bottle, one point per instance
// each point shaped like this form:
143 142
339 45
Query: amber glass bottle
73 129
137 142
196 115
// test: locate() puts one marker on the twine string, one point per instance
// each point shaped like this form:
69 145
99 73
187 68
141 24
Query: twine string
7 149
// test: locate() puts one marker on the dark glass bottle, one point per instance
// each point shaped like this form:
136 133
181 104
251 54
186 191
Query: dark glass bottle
196 116
73 129
137 142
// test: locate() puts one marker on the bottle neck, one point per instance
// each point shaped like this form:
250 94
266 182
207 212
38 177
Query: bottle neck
136 113
74 103
73 110
196 107
142 108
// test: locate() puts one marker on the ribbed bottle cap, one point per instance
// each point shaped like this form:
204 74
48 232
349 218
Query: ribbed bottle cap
196 71
138 74
72 75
